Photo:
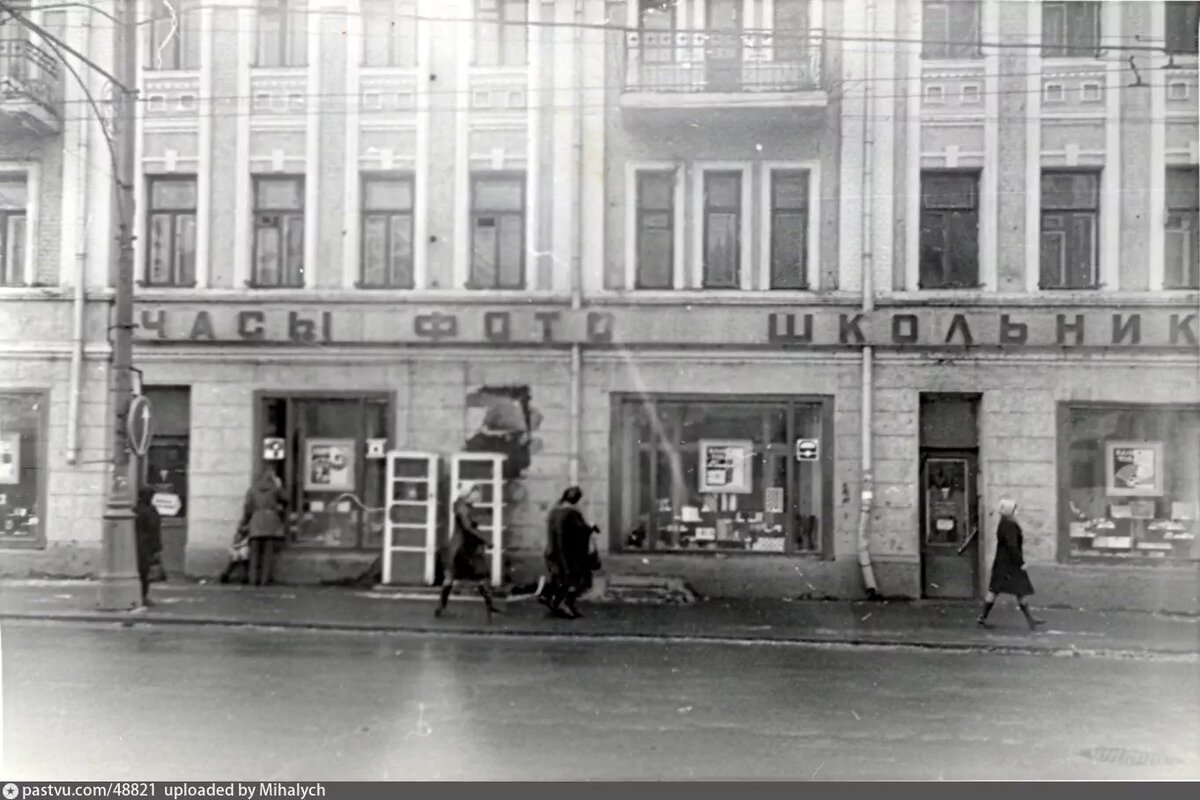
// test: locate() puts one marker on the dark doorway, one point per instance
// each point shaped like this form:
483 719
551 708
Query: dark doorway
165 469
949 493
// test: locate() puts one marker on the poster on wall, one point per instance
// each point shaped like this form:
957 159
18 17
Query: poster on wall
10 459
329 465
725 466
1133 469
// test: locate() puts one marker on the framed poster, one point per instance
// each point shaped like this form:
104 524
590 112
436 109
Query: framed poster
725 466
329 465
1133 469
10 459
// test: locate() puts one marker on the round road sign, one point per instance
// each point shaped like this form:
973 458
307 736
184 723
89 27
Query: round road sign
137 425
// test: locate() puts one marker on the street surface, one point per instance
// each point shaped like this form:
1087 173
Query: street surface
107 702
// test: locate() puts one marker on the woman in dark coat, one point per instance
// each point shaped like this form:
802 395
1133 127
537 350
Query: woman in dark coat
147 525
264 507
568 555
1008 568
469 562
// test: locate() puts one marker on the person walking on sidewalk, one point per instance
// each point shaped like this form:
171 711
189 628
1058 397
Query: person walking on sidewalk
469 562
264 507
569 555
147 524
1008 567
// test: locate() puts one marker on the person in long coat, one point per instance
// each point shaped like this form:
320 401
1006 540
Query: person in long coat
1008 567
568 555
469 562
147 524
264 507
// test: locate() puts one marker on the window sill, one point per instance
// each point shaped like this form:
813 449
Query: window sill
171 72
717 552
985 297
764 297
164 287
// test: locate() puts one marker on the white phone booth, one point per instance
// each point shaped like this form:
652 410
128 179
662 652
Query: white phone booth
486 471
410 524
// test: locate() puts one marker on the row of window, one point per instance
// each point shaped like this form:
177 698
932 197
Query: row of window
389 34
1070 29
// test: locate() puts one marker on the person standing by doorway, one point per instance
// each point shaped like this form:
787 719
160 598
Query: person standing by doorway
148 527
1008 567
469 562
264 507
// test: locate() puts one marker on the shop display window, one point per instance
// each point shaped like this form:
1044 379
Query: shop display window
330 454
22 426
729 475
1130 484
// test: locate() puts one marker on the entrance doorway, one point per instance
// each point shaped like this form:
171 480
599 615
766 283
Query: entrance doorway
949 491
165 468
723 50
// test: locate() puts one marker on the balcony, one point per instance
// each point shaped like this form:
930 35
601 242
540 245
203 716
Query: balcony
722 69
29 88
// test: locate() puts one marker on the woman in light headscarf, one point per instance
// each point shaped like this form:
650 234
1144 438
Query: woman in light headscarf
469 562
1008 568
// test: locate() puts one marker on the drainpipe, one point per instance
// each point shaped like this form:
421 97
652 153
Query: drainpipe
573 467
867 501
83 157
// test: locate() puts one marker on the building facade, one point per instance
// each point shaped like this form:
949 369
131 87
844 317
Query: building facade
795 290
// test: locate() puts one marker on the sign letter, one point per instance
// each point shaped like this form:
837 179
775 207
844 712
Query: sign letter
906 328
1181 327
250 325
1065 327
202 327
849 326
599 326
158 323
959 325
497 326
436 326
1012 332
1131 328
782 328
547 318
302 331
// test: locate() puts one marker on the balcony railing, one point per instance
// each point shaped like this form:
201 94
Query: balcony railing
29 84
722 61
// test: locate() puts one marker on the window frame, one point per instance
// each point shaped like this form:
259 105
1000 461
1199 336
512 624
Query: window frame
500 23
389 214
639 227
1067 214
41 395
25 271
770 173
400 55
480 176
185 40
174 214
293 22
1191 216
1177 29
944 47
1064 48
619 406
704 221
927 211
287 215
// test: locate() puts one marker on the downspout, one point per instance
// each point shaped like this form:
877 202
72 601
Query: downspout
83 156
867 501
573 468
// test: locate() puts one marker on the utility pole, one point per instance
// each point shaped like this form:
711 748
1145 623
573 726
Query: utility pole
120 589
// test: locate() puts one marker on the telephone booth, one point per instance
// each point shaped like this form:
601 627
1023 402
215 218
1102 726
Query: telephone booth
410 529
486 471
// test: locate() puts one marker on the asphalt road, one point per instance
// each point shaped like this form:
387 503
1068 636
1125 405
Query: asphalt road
105 702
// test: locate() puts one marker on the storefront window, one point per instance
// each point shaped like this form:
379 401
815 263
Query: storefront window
733 476
330 454
21 430
1131 482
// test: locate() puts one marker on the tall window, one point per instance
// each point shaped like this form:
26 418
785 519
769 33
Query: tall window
498 231
722 229
1182 250
1070 230
174 36
282 33
501 33
1180 33
1070 29
390 33
657 15
387 232
949 230
791 30
789 229
14 202
24 470
278 232
655 229
950 29
171 232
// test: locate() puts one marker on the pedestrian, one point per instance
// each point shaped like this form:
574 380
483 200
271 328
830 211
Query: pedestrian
1008 567
264 507
147 524
469 561
570 555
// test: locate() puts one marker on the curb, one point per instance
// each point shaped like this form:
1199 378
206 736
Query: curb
132 619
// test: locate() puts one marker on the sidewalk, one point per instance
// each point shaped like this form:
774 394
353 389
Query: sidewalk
923 624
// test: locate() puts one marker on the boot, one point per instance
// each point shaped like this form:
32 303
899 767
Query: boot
987 609
444 598
487 601
1030 619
